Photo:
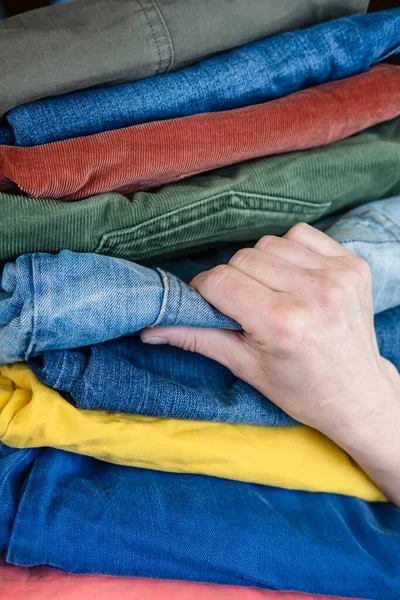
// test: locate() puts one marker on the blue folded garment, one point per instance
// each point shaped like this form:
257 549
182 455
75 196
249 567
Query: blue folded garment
130 377
84 516
68 300
260 71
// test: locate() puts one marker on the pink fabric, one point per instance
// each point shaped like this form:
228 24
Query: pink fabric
39 583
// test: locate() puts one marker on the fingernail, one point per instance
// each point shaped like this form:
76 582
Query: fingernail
155 341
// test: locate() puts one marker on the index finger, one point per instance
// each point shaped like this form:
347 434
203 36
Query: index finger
238 296
316 241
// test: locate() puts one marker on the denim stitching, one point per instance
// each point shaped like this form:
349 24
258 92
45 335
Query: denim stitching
380 220
61 371
32 343
164 304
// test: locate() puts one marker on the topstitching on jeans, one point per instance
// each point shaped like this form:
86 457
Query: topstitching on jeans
164 304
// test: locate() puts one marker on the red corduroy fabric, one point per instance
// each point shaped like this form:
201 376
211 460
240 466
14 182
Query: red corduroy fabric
39 583
149 155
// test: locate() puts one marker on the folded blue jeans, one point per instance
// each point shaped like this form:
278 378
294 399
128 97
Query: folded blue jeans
257 72
69 300
130 377
83 516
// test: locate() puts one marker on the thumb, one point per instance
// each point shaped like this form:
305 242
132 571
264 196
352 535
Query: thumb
221 345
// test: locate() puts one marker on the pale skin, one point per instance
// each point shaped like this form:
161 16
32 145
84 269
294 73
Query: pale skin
308 343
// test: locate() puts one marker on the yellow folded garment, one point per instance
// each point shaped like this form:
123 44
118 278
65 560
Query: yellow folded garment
33 415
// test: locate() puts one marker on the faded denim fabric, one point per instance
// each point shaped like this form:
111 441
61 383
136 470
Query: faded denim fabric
372 231
130 377
84 516
68 300
259 71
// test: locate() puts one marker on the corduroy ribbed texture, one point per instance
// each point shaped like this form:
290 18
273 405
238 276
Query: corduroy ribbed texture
265 70
146 156
236 203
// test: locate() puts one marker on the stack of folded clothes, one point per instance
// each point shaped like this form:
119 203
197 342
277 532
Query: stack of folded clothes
141 144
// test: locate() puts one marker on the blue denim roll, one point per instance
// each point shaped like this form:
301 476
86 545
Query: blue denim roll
68 300
130 377
260 71
83 516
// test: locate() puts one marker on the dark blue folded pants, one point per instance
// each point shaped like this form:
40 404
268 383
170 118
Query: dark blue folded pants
85 516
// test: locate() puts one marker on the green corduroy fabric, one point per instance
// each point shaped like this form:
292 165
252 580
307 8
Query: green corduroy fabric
238 203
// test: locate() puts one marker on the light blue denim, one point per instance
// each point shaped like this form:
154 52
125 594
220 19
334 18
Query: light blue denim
254 73
68 300
372 231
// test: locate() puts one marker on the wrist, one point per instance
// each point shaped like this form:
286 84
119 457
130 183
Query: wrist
373 440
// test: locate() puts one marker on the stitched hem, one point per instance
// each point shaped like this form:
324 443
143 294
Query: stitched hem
167 40
164 304
160 34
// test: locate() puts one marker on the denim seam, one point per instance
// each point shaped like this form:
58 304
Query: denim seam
391 227
31 345
164 304
60 371
188 208
164 60
368 242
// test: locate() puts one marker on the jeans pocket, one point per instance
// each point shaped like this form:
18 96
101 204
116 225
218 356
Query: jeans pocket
369 226
231 216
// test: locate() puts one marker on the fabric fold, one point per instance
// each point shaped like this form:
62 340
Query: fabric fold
52 301
35 416
129 159
184 527
41 583
134 39
234 204
130 377
68 300
261 71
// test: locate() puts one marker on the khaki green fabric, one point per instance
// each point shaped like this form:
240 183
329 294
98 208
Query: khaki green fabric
237 203
71 46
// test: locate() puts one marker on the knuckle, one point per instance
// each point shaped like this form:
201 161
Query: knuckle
242 258
326 290
330 294
362 268
267 241
190 343
290 328
213 279
298 231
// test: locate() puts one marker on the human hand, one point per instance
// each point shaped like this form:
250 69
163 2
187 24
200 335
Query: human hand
308 342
